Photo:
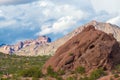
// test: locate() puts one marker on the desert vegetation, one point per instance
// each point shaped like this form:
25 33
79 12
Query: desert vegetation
15 67
80 70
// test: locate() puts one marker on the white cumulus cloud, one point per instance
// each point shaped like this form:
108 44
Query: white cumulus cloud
66 16
115 20
7 23
59 26
110 6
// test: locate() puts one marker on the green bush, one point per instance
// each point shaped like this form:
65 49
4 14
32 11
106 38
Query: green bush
84 78
96 74
32 72
80 70
61 72
4 79
118 78
111 78
117 68
116 75
71 78
35 78
50 72
59 78
15 65
71 54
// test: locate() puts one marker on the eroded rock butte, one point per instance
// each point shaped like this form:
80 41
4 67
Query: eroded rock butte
91 49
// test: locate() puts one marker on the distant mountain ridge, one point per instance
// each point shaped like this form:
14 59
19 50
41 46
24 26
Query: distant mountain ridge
50 48
10 49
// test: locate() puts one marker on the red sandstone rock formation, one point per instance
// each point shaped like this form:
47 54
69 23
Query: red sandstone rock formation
91 49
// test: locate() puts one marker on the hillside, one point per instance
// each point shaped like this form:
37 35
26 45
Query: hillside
91 52
35 48
12 66
52 47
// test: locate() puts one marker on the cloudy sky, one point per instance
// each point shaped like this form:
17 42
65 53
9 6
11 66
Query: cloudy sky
27 19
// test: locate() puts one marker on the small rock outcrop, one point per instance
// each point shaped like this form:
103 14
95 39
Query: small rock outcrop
91 48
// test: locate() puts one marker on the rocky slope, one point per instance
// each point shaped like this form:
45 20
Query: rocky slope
90 49
52 47
10 49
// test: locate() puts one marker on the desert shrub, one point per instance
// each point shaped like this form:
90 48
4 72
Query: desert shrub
80 70
35 78
116 75
4 79
32 72
50 72
71 54
117 68
111 78
113 71
84 78
96 74
71 78
59 78
15 65
61 72
118 78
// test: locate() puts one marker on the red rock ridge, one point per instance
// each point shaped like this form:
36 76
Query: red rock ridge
90 48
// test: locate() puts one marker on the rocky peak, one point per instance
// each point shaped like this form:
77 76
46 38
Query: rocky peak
41 40
105 27
91 49
90 27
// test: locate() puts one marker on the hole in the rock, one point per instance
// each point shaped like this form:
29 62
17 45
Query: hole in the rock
76 42
104 68
69 61
110 56
92 46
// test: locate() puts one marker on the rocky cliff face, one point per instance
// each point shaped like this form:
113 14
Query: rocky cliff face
91 48
9 49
